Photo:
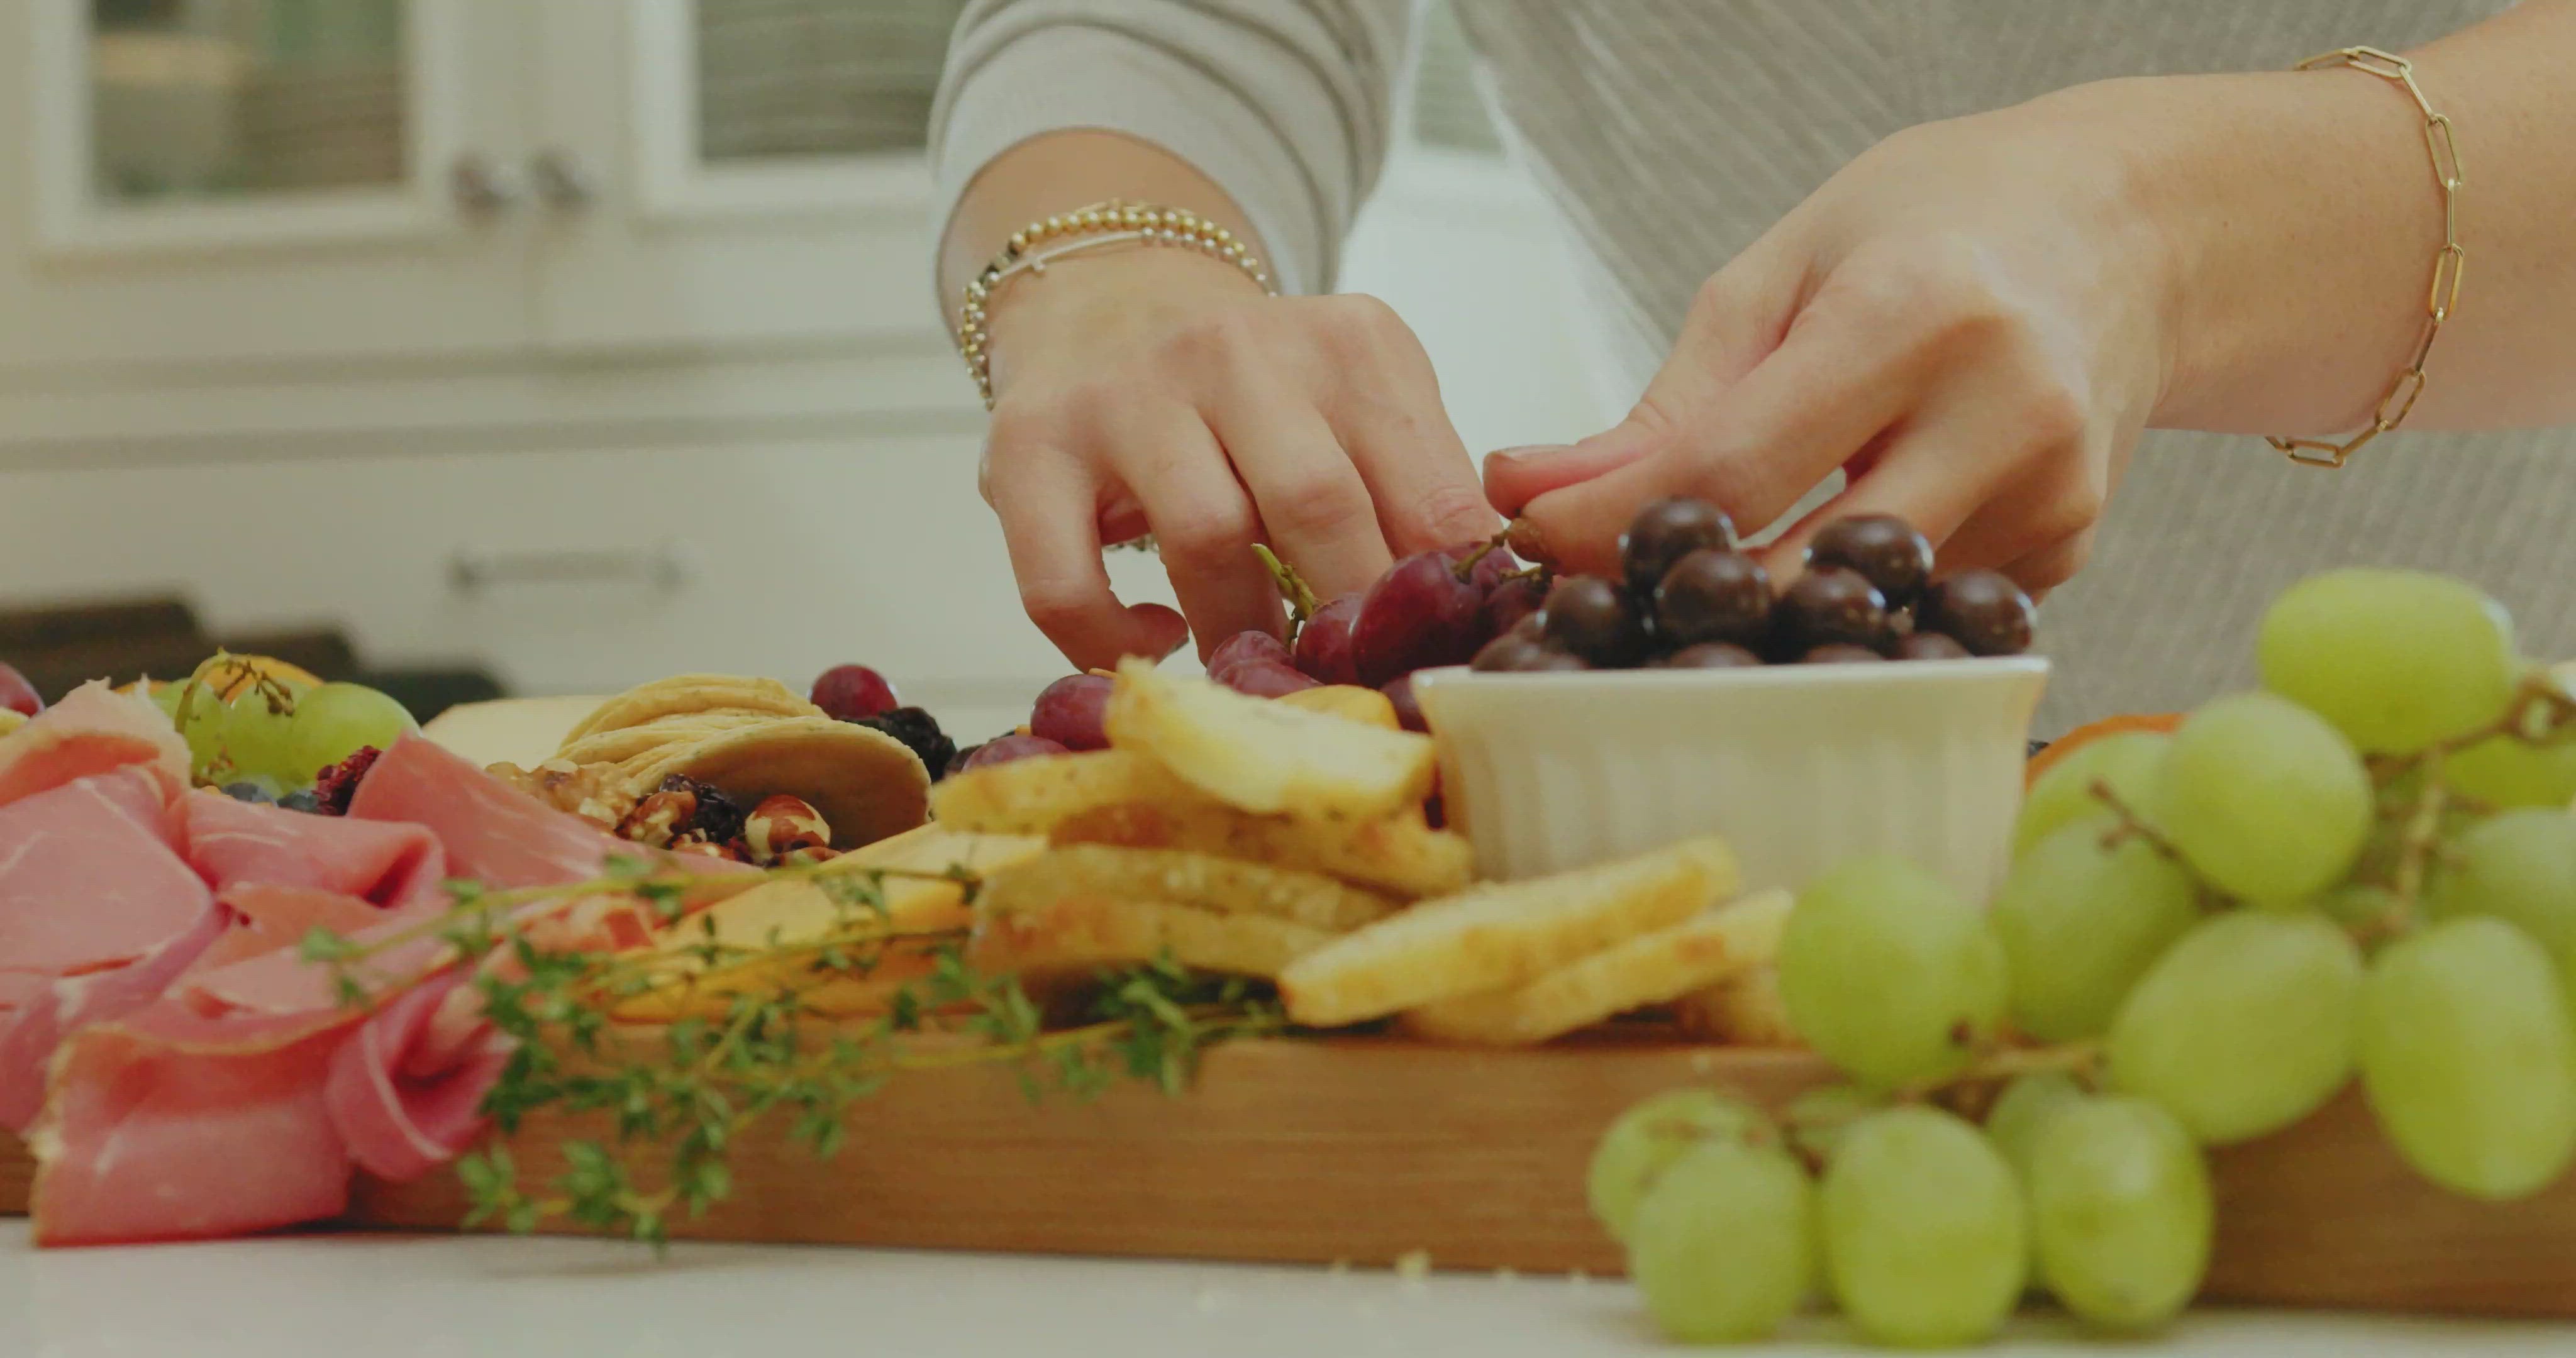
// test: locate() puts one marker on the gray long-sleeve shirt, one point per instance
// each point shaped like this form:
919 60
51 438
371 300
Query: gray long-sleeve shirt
1670 133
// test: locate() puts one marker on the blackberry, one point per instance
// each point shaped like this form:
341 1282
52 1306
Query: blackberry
919 733
718 817
334 786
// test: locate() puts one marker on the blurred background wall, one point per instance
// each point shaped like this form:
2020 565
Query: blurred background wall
572 342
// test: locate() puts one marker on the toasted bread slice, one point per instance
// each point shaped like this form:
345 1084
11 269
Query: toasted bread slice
1505 934
1028 796
1080 934
1705 950
1266 757
1401 853
1743 1011
1225 885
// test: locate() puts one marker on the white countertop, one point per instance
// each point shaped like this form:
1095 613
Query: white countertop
356 1296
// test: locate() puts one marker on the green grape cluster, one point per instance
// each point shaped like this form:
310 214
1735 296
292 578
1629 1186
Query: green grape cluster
277 735
2362 873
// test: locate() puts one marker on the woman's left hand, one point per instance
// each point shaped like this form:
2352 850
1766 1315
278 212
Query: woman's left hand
1970 319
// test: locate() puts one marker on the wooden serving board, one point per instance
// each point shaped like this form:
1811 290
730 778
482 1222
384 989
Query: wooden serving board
1365 1149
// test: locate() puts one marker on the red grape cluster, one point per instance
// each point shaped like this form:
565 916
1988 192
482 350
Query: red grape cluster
1431 608
1690 600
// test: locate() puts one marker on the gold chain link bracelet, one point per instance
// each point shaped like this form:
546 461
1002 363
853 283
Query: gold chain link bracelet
2447 264
1098 226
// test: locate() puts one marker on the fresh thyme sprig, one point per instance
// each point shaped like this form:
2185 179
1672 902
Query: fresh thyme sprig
679 1099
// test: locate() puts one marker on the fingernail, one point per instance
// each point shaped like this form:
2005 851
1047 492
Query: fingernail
1530 452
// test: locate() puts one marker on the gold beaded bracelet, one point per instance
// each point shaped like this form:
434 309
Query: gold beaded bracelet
2447 264
1099 226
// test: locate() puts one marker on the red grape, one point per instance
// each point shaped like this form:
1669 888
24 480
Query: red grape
1982 610
1841 653
1930 646
1505 652
1831 605
1408 713
1510 602
1594 619
1004 749
1267 678
1667 530
853 693
1419 614
1490 568
1883 548
1071 712
1710 655
1243 648
16 694
1324 643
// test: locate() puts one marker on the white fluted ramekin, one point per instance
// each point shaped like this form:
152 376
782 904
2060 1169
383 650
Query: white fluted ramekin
1799 767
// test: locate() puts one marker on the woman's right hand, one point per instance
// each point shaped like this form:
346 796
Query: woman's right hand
1158 391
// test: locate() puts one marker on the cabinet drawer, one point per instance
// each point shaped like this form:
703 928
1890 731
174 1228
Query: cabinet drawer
580 571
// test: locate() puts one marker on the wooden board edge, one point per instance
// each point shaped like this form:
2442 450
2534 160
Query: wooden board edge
1364 1150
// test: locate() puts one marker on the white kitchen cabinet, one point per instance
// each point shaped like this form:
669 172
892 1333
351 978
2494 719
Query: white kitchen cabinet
303 301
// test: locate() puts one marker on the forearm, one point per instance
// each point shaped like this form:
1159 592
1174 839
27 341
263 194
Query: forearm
1051 173
2300 217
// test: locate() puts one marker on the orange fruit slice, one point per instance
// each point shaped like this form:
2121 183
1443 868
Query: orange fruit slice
2161 723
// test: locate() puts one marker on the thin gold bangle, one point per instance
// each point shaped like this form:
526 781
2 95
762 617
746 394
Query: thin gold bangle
2447 263
1104 225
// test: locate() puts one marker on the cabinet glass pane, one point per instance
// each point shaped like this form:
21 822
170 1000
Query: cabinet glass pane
194 98
787 78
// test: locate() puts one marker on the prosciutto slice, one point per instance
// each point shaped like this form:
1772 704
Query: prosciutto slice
63 1005
234 843
93 730
404 1101
492 832
87 877
171 1125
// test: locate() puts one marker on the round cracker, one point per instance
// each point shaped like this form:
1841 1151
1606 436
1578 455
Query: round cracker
866 784
625 742
692 693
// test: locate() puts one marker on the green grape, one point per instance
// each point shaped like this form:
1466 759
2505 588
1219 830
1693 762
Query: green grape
1889 974
2395 659
2264 798
1649 1136
2127 763
2518 866
2505 771
1724 1245
2121 1211
257 737
2025 1106
2467 1057
166 697
334 721
1818 1118
200 718
1923 1232
2244 1026
2080 923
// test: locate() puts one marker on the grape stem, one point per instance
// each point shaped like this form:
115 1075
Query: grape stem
1465 567
1302 602
2131 824
2079 1059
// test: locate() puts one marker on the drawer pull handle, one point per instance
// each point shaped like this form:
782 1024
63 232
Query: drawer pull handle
472 569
